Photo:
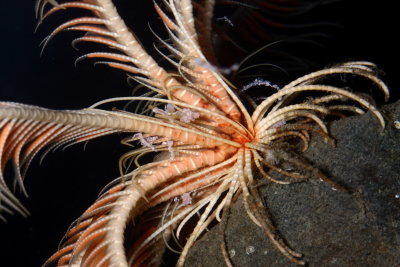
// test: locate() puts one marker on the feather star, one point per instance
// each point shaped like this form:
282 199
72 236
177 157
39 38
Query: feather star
210 148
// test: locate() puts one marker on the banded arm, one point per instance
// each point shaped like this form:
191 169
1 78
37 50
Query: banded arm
199 84
106 27
25 130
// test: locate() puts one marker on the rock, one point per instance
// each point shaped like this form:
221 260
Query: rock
330 228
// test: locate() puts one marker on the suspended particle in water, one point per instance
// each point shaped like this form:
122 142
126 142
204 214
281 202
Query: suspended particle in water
250 250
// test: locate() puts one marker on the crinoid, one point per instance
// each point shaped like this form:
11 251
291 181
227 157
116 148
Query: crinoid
210 148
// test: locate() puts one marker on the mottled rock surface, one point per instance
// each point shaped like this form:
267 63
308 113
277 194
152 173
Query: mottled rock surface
330 228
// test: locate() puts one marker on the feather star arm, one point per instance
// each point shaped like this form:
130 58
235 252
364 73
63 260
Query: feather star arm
24 130
106 27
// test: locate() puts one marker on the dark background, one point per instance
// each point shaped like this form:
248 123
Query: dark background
67 182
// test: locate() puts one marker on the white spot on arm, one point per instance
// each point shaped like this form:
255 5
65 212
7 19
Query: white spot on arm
187 115
186 199
171 151
147 142
260 82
